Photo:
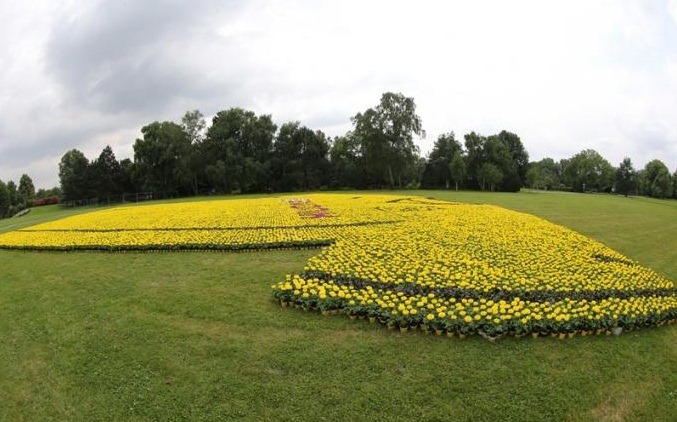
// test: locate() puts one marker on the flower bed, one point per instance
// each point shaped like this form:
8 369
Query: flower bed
459 269
406 262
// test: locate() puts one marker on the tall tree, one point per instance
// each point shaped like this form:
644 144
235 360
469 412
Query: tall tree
641 182
658 180
158 158
73 175
107 174
457 168
589 171
625 177
489 176
300 158
497 152
128 183
13 193
346 162
386 137
194 124
544 174
4 200
515 171
475 156
437 170
242 142
26 191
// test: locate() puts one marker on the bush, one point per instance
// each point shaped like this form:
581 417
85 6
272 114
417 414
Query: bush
49 200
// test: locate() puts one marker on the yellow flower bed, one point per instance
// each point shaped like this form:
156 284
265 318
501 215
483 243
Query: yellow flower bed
407 262
223 224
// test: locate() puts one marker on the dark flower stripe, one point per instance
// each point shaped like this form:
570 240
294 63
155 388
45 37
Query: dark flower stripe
410 289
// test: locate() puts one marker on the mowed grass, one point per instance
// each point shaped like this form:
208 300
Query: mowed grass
195 336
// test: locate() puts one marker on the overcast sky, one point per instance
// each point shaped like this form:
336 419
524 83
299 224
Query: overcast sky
564 75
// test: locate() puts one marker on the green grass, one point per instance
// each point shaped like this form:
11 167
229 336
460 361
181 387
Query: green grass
194 336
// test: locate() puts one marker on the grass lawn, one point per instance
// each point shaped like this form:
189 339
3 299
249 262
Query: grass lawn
195 336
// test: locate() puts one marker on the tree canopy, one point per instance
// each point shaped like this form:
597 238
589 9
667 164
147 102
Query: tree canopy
385 135
240 151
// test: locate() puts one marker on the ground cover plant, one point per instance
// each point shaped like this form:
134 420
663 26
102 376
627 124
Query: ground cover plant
406 262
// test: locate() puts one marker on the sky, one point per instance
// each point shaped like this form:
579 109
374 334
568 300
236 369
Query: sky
563 75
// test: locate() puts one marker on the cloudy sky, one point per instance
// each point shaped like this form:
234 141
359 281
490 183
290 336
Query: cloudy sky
564 75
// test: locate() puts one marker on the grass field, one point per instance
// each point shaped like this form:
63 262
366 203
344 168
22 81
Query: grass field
195 336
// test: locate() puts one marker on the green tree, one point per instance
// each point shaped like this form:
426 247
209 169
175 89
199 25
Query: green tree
194 124
658 179
26 191
544 174
505 152
497 152
589 171
457 168
437 169
641 182
386 137
518 164
158 159
243 143
13 193
625 177
489 176
128 183
674 184
346 162
4 200
475 156
107 175
300 158
73 175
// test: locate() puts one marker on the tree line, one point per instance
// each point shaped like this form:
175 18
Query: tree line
244 152
241 152
588 171
16 198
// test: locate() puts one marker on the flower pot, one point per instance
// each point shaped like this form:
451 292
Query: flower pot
617 331
372 319
450 334
404 329
439 332
534 335
562 336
